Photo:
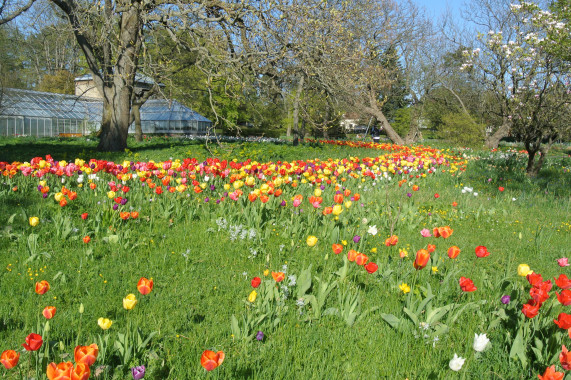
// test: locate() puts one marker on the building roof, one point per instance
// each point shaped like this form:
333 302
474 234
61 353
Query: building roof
32 104
139 78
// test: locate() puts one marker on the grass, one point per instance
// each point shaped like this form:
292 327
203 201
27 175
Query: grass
202 269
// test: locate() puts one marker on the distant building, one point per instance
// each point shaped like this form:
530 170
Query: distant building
42 114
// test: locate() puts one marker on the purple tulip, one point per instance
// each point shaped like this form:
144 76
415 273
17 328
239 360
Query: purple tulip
356 238
283 203
409 195
506 299
206 200
115 206
138 372
44 195
123 201
260 336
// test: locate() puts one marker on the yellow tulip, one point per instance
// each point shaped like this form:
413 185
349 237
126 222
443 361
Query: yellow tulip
348 204
110 195
337 209
523 270
317 192
129 302
252 296
104 323
58 196
34 221
266 272
226 186
311 240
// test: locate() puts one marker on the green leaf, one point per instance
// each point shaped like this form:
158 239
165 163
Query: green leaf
304 282
518 348
392 320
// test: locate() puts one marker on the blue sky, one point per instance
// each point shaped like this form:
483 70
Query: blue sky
437 7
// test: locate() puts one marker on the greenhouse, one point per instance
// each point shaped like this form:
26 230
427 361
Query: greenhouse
44 114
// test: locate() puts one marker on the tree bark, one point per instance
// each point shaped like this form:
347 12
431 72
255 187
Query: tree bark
116 119
136 112
295 119
493 141
414 134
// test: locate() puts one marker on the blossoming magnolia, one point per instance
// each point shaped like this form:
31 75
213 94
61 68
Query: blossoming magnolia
9 359
33 342
49 312
86 354
42 287
210 360
145 286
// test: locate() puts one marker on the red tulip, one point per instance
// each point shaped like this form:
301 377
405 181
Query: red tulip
338 198
430 248
33 342
501 188
337 248
84 215
86 239
9 359
422 257
371 267
49 312
564 298
392 240
210 360
482 251
453 252
86 354
551 374
435 232
530 309
42 287
62 371
278 276
563 282
436 196
563 321
534 279
467 285
565 358
256 281
144 286
539 293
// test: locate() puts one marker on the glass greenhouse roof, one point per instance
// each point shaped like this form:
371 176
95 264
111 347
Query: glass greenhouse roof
34 104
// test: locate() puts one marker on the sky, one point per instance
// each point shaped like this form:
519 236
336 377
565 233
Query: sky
437 7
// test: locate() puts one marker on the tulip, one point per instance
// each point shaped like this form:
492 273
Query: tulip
86 354
129 302
565 358
534 279
210 360
138 372
456 363
530 309
145 286
563 321
337 209
563 282
551 374
9 359
480 342
505 299
352 254
311 240
337 248
453 252
84 216
425 232
42 287
104 323
371 267
563 262
34 221
523 270
278 276
445 231
252 296
361 259
33 342
422 257
256 281
61 371
49 312
391 241
260 336
467 285
430 248
482 251
86 239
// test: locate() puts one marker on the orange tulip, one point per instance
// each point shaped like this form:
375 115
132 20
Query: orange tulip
445 231
145 286
337 248
361 259
9 359
86 239
565 358
551 374
453 252
61 371
435 232
210 360
124 215
278 276
134 214
80 372
430 248
352 254
49 312
42 287
327 210
338 198
86 354
393 240
422 257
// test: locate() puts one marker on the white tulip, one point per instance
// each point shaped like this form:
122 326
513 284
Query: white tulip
456 363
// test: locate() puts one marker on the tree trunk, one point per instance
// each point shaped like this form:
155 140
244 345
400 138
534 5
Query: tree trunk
295 119
414 134
115 120
493 141
136 111
391 133
534 166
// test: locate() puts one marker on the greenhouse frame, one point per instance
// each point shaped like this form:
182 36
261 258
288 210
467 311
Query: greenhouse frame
45 114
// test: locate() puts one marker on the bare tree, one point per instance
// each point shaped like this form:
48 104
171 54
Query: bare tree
9 10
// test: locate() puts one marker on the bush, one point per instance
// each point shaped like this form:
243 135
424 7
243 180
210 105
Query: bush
461 129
